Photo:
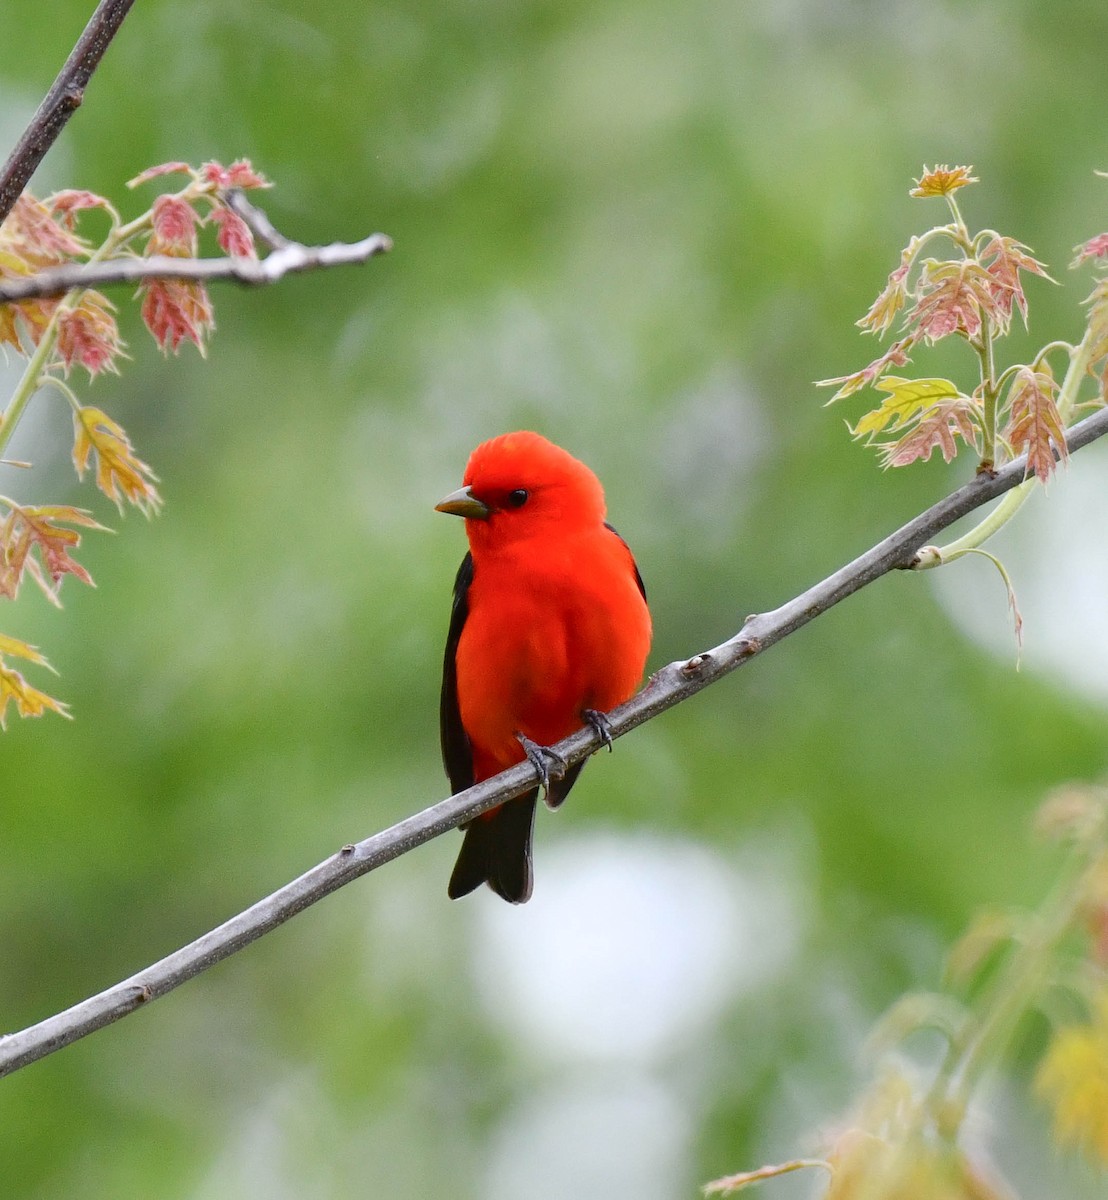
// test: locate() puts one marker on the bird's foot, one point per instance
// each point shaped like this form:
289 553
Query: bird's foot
598 721
549 763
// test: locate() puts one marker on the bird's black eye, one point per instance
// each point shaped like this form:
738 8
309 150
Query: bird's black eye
518 498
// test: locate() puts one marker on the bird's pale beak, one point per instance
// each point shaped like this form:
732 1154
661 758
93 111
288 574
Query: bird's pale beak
463 503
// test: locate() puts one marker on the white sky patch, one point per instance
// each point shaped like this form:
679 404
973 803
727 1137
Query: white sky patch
1056 552
617 1139
632 944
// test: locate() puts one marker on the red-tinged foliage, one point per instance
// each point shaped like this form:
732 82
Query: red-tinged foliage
937 429
955 297
88 335
1097 302
1003 259
32 232
169 168
234 236
175 311
895 356
1035 426
1096 247
81 330
174 221
19 259
66 204
240 174
41 530
883 311
120 475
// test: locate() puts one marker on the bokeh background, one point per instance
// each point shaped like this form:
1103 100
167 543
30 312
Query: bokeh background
642 228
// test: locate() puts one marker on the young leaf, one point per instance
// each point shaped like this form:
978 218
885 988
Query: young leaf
895 356
14 689
883 310
906 398
937 429
1004 258
955 297
120 474
1034 424
88 335
41 530
941 181
174 221
175 311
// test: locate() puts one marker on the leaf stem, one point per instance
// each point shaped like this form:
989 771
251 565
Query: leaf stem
1017 988
29 382
32 377
989 395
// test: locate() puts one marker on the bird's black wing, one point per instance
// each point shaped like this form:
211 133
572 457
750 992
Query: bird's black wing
634 565
457 754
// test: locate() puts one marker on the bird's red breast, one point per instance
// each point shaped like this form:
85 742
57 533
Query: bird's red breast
553 628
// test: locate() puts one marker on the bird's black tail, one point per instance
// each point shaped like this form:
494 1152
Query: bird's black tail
497 851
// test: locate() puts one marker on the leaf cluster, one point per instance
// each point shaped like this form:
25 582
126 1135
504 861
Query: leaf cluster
56 334
970 294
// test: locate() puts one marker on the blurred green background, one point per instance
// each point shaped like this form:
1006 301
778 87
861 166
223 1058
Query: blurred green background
643 229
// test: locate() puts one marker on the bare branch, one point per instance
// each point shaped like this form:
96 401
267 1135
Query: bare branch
258 221
61 102
668 687
289 258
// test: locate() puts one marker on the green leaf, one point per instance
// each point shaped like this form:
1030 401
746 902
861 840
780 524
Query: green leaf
907 397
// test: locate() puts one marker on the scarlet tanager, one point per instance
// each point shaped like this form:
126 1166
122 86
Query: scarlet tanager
548 631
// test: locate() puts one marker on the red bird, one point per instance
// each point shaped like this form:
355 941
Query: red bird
549 630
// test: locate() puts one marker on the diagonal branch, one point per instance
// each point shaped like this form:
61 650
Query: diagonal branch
670 686
61 102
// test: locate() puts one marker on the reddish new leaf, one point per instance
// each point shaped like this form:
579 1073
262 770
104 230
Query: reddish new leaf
41 530
1004 258
240 174
936 430
66 204
235 237
1034 424
169 168
895 356
174 221
955 297
34 233
89 335
177 310
1096 247
883 310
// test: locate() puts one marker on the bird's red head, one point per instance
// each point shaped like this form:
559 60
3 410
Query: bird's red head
520 485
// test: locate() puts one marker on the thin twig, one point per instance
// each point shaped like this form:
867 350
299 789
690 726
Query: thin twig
671 685
263 228
61 102
254 272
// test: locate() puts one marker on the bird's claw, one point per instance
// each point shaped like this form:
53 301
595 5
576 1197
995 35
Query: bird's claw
599 723
548 763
